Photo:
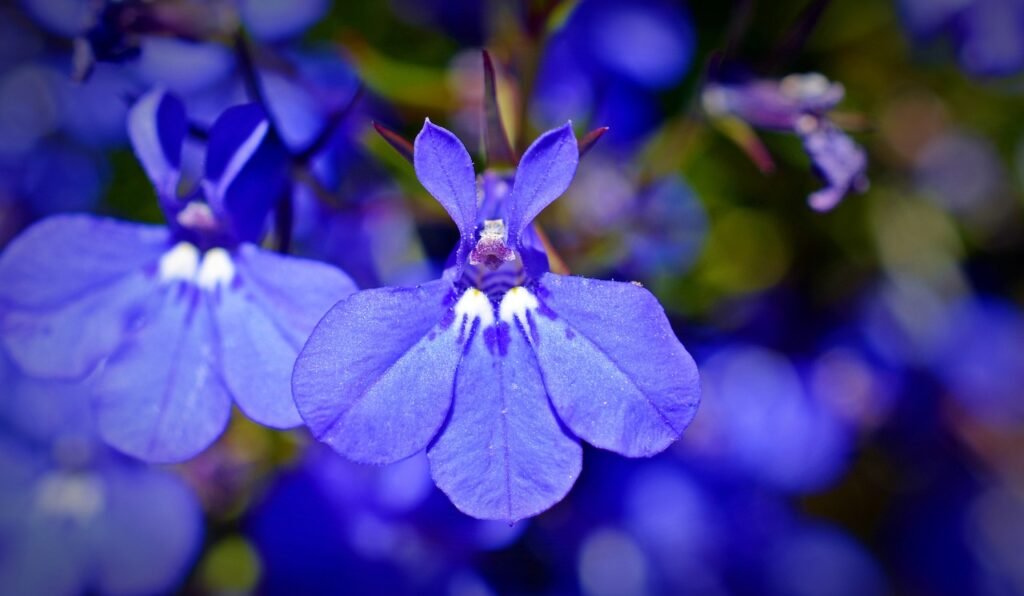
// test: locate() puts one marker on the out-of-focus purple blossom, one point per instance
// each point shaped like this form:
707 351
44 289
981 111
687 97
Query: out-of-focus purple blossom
77 517
177 317
798 104
988 34
758 419
775 104
505 358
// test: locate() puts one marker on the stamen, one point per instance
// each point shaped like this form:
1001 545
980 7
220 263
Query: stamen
197 216
492 250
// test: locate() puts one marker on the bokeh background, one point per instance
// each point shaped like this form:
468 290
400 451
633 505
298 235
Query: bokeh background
863 368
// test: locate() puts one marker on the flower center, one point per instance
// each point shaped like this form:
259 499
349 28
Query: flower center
492 249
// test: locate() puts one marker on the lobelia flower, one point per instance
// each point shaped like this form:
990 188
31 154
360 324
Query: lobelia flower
77 517
798 104
499 367
177 321
366 529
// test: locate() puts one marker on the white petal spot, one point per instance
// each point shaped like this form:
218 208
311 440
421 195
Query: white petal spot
179 263
216 270
70 496
474 304
516 303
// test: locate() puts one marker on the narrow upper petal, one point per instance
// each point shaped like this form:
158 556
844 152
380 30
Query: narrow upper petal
159 398
445 169
616 373
263 318
545 172
245 170
503 454
375 379
157 126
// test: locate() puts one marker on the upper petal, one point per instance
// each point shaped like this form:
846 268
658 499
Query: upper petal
616 373
263 319
544 173
445 169
375 379
159 398
503 454
245 170
157 126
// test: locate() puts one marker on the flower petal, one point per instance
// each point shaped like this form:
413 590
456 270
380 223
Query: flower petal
503 454
837 160
545 172
66 256
149 532
445 169
159 397
616 373
157 126
375 379
263 320
245 170
71 287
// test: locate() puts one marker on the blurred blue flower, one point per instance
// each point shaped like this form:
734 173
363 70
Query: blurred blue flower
364 529
509 363
668 230
988 34
609 61
181 317
757 419
76 517
798 104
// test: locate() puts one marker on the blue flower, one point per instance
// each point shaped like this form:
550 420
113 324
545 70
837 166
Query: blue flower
799 104
177 321
499 367
759 423
76 517
364 529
